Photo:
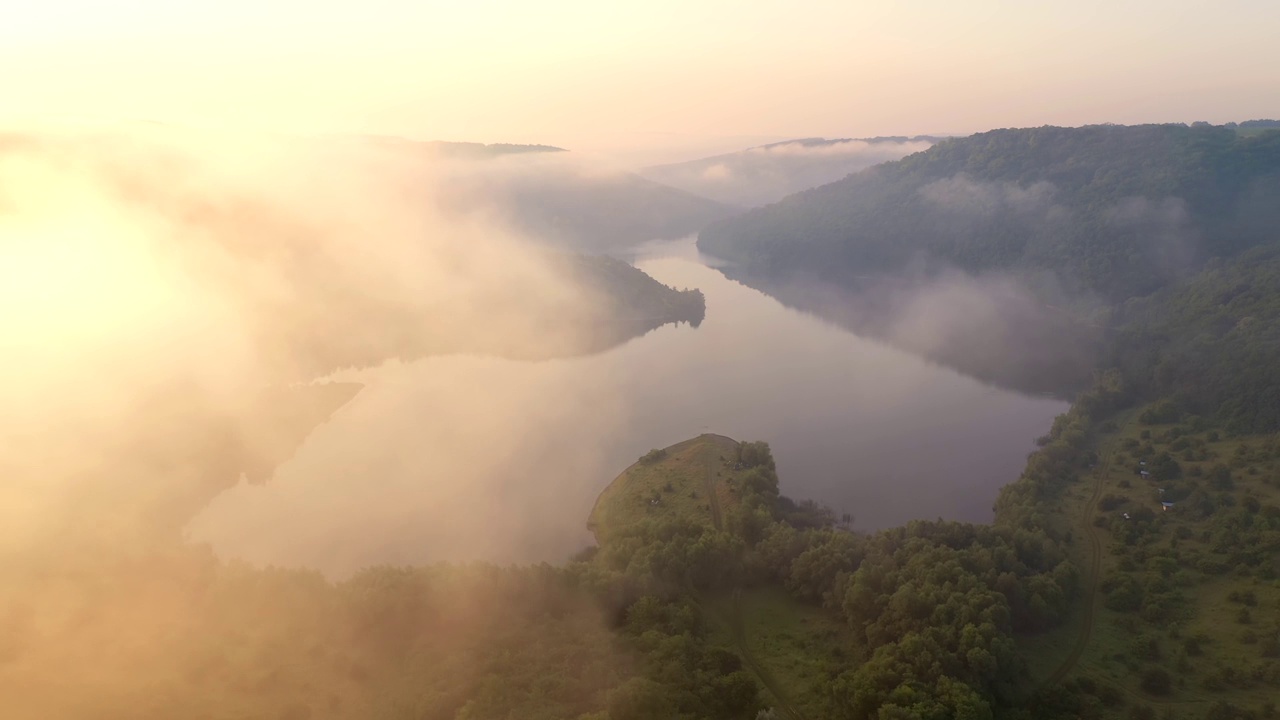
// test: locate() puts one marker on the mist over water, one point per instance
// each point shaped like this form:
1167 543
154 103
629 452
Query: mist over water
854 424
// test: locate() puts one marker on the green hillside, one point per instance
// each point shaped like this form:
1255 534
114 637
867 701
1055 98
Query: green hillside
1111 210
1012 248
1209 345
1187 612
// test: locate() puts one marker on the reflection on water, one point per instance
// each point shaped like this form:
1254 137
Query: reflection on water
482 458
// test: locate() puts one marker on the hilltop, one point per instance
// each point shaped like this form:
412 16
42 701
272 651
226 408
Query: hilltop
691 481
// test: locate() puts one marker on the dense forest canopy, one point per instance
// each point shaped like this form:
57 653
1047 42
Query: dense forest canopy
1210 344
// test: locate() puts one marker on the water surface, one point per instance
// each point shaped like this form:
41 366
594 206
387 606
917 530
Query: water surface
454 458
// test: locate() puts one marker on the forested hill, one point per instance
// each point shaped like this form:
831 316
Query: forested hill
1210 345
1111 210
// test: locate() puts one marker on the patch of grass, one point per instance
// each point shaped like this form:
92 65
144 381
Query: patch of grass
798 644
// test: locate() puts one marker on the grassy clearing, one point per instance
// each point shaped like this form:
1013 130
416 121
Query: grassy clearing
1192 591
670 483
799 645
796 646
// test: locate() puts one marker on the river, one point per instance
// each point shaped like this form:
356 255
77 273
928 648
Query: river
461 458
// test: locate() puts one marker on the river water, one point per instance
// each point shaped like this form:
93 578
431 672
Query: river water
461 458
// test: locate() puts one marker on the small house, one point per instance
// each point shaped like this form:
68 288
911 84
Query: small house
1144 473
1167 506
1126 516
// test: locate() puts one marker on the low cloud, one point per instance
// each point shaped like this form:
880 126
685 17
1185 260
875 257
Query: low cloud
159 287
765 174
1021 332
168 303
870 151
964 195
717 173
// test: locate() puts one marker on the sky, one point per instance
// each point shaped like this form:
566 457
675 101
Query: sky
657 80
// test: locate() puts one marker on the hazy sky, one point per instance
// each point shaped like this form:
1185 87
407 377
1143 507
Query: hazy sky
659 77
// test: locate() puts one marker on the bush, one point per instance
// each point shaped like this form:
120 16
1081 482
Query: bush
1244 597
1270 646
1227 711
1165 411
1157 681
1165 467
1145 647
653 456
1142 712
1110 695
1124 595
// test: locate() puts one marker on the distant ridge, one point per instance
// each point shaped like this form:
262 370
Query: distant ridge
764 174
457 149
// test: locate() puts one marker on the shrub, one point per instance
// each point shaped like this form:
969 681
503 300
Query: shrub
1157 681
1220 477
1244 597
1110 695
1142 712
653 456
1270 646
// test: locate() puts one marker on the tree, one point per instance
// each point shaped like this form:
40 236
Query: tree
639 699
1220 477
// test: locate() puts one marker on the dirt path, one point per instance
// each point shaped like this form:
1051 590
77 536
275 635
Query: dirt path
711 466
1092 578
737 627
1092 572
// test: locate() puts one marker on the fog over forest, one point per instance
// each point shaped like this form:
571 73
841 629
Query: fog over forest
626 361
